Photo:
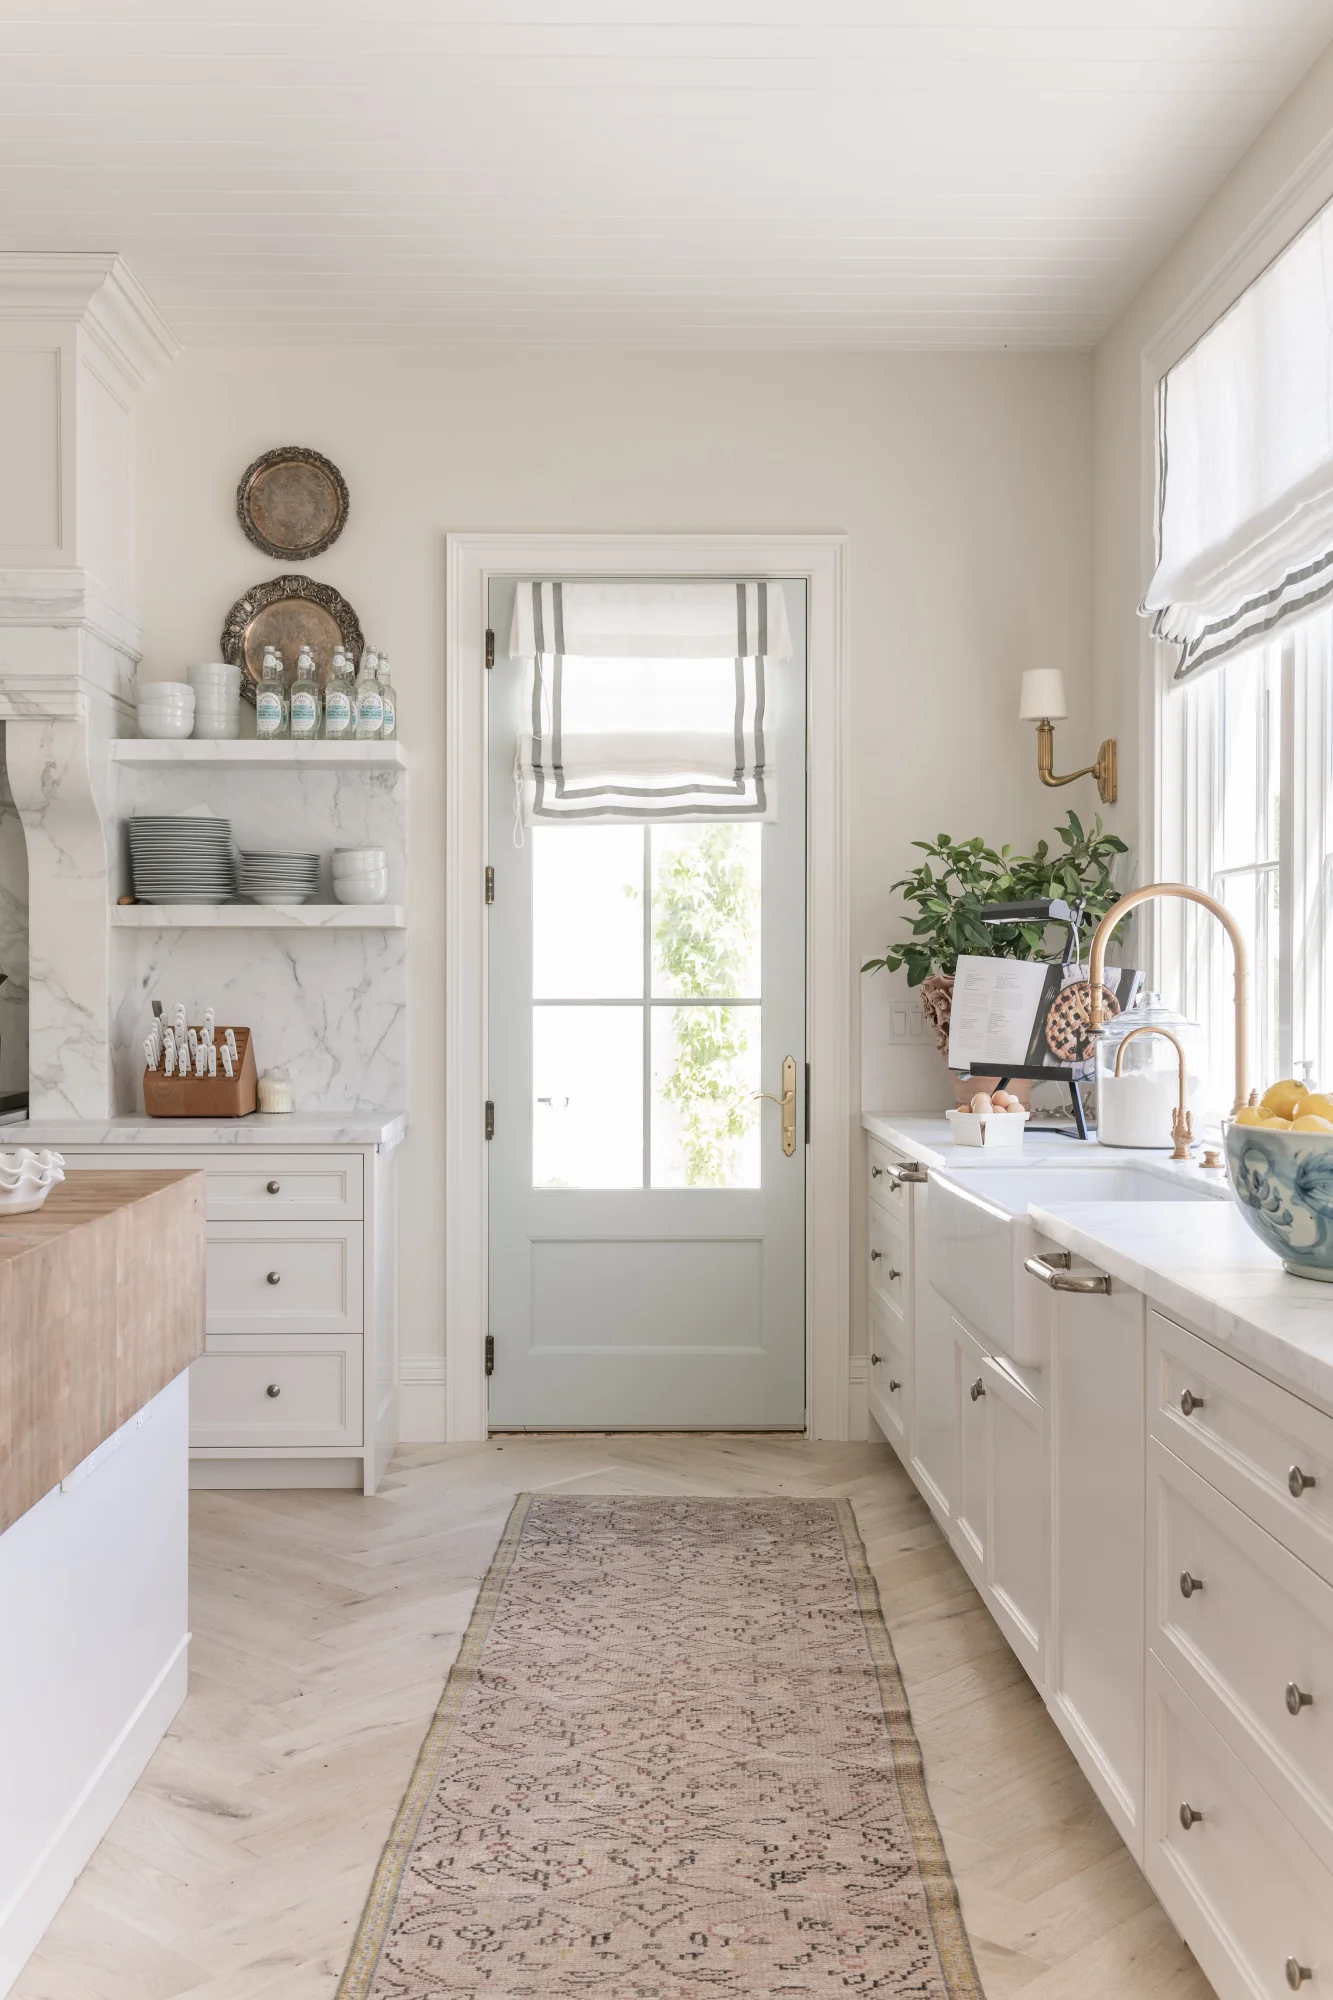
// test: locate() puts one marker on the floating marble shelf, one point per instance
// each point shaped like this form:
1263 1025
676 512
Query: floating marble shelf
259 917
249 755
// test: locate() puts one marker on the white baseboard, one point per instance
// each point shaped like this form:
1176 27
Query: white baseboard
53 1873
858 1398
422 1410
267 1473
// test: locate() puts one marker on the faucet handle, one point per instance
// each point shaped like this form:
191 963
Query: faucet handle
1182 1131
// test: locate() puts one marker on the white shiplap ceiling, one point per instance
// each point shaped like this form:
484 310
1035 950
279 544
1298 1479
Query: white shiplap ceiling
860 173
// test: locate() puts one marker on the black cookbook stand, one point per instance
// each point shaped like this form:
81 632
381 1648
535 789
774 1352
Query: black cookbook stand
1044 1073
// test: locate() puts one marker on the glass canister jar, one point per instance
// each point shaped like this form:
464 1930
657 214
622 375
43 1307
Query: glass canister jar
1136 1108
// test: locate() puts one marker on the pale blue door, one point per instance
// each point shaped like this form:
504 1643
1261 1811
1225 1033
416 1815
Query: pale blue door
647 1207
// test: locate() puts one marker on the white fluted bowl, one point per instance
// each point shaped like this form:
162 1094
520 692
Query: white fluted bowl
27 1178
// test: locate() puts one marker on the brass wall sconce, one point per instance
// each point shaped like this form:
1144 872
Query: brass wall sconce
1043 702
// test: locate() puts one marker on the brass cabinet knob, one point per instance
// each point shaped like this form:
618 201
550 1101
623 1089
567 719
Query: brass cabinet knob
893 1385
1297 1699
273 1390
1297 1974
275 1277
1299 1482
1189 1584
1189 1402
1189 1815
978 1390
275 1187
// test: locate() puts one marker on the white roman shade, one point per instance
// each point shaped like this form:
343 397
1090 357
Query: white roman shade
645 701
1245 463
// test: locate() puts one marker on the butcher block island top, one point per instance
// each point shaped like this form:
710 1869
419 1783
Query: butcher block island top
101 1306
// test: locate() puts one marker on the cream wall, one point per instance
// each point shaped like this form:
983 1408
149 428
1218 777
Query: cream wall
963 483
1122 456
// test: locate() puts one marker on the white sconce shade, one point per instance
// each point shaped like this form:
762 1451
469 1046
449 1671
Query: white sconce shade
1043 696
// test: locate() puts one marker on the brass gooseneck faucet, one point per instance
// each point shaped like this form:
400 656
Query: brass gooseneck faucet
1118 911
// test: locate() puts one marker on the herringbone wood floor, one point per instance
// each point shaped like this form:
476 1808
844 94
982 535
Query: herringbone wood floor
324 1625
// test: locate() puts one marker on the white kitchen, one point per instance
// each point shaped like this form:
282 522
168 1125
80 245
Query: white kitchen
666 1002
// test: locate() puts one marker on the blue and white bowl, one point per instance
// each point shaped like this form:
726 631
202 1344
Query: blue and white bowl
1283 1183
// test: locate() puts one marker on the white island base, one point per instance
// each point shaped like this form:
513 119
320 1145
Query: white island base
93 1643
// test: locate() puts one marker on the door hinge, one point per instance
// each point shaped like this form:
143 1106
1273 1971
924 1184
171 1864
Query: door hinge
490 1354
490 885
490 649
807 1104
490 1119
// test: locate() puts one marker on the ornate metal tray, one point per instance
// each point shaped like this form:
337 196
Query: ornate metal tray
292 502
289 612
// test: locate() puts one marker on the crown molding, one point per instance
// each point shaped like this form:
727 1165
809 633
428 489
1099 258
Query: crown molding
68 599
98 292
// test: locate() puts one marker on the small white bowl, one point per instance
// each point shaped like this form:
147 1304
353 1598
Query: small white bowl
165 690
27 1178
165 728
351 860
215 674
361 889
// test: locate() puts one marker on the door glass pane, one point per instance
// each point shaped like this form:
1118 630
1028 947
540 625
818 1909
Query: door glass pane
706 911
587 1085
587 912
705 1121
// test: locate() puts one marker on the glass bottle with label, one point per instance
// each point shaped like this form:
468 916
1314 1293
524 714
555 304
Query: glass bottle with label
389 701
305 699
339 701
271 699
369 705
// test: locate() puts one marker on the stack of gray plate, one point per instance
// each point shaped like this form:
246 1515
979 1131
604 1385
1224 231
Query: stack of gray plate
279 878
182 858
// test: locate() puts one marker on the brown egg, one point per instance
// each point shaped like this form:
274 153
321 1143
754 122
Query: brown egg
982 1104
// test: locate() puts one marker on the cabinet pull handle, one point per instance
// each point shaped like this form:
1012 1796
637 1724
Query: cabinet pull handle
1297 1974
1299 1482
875 1173
875 1256
275 1277
1053 1270
978 1390
1297 1699
275 1187
893 1385
1189 1402
273 1390
1189 1815
911 1175
1189 1585
875 1360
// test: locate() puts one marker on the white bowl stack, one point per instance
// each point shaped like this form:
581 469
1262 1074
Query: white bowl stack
360 874
217 699
165 709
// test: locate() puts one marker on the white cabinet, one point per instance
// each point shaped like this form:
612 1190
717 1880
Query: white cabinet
1018 1552
971 1520
1095 1672
298 1385
934 1455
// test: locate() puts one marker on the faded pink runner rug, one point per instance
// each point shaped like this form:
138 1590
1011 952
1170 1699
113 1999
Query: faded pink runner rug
673 1759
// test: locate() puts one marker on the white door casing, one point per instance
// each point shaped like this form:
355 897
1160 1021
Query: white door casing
820 561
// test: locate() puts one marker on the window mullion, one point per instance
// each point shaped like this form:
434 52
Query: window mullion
1288 864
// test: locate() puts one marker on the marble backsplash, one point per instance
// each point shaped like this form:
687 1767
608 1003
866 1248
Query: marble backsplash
329 1005
13 939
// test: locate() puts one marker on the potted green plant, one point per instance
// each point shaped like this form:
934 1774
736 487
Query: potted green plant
947 891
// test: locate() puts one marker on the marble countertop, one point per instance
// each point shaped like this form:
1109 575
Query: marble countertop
296 1128
1198 1261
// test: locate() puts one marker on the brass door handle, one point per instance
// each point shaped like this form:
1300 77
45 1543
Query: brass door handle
786 1103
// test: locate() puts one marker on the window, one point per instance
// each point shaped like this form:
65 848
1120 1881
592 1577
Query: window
1247 800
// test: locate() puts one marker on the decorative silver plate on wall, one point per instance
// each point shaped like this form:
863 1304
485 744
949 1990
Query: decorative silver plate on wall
289 612
292 502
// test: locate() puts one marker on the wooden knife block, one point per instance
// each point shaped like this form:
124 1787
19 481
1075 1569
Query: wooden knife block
206 1096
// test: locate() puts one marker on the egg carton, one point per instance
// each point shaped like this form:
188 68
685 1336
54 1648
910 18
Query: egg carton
999 1130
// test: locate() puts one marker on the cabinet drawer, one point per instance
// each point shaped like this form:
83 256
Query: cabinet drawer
276 1392
883 1183
887 1265
1254 1642
284 1278
252 1186
1263 1447
1239 1884
890 1384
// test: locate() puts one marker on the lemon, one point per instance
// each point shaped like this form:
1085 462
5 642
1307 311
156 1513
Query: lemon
1275 1124
1317 1105
1309 1122
1250 1114
1282 1098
